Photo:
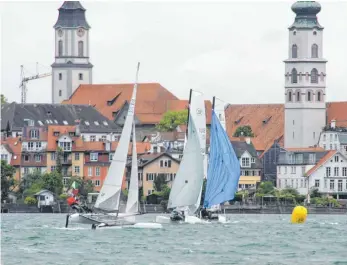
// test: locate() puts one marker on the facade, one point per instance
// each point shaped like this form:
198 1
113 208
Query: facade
334 138
44 198
305 78
11 152
71 66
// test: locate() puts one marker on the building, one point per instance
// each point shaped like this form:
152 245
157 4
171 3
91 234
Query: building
334 138
11 152
249 162
92 125
150 166
71 66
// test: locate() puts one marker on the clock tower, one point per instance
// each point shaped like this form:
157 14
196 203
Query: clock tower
71 66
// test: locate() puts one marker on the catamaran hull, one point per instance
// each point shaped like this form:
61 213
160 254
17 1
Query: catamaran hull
93 218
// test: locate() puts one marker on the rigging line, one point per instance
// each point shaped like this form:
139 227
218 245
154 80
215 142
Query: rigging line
198 91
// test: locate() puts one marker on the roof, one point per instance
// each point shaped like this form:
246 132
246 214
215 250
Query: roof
146 159
321 162
141 147
240 147
88 117
342 138
63 130
42 191
152 100
14 146
306 14
72 15
267 120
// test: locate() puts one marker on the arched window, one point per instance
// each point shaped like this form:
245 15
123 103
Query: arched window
309 96
314 76
294 51
319 96
294 76
80 48
314 51
60 48
298 96
289 96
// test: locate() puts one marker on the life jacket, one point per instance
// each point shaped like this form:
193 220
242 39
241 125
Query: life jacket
71 201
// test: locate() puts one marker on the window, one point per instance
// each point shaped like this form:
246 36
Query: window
161 163
60 76
293 170
315 33
332 184
169 163
77 169
65 181
245 162
97 183
314 51
324 137
66 146
336 158
53 168
302 170
97 171
294 76
77 156
314 76
92 138
93 156
140 176
312 158
335 137
294 33
316 183
34 134
301 183
110 156
309 96
53 156
90 171
60 48
297 183
26 158
4 157
344 171
298 96
165 163
149 176
103 138
328 171
331 137
80 76
252 160
38 158
325 183
80 49
56 133
60 92
294 51
336 171
339 185
289 96
30 146
292 181
331 147
319 96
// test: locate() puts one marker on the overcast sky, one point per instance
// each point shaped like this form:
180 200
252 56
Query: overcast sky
233 50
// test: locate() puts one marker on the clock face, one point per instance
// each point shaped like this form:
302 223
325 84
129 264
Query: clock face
80 32
60 33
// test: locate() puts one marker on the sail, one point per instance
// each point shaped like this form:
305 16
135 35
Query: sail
109 196
198 115
133 192
219 109
188 182
224 168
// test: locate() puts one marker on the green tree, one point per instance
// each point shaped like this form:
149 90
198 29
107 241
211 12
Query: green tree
159 182
7 179
3 99
60 154
53 182
314 193
244 131
172 119
266 187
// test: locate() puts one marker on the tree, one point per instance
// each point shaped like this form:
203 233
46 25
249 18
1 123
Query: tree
53 182
266 187
314 193
245 131
159 182
85 186
7 179
172 119
60 154
3 99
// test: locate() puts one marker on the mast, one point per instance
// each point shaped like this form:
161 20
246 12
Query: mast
190 99
213 102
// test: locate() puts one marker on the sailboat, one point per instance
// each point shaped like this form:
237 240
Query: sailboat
106 208
224 167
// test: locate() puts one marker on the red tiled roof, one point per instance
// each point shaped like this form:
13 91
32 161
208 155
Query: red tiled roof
15 146
337 111
321 162
62 129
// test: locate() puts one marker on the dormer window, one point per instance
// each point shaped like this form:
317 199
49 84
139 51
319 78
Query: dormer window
245 162
56 133
93 156
66 146
34 134
252 160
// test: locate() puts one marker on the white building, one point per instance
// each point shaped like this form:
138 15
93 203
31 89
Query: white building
305 72
44 198
334 139
71 67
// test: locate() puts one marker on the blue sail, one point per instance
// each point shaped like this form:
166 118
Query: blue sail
223 172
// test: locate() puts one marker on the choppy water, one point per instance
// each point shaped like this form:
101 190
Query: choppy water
41 239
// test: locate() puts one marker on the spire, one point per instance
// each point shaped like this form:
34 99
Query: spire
72 15
306 14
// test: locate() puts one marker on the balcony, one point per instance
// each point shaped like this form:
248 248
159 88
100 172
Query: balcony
284 161
33 149
66 161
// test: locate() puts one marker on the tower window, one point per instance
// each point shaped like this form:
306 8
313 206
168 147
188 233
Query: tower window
289 96
294 76
60 76
60 48
80 48
294 51
314 51
319 96
80 76
314 32
309 96
298 96
294 33
314 76
60 93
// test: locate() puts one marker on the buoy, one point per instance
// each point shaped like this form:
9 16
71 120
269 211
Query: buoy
299 215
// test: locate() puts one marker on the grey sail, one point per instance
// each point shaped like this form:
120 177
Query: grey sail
109 196
133 192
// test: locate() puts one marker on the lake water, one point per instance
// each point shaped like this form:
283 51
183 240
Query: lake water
41 239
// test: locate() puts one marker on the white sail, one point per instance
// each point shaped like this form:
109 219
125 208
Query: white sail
133 192
109 196
219 109
187 184
198 115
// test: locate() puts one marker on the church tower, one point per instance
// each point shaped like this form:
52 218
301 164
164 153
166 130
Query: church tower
71 67
305 77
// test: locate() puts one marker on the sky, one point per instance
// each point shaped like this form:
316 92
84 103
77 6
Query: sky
231 50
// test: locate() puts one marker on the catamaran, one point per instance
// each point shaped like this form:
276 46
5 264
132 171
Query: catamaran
224 168
106 209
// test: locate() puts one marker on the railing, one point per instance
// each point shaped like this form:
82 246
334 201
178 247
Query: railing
34 149
66 161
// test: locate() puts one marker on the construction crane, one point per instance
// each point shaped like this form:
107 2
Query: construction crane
24 81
